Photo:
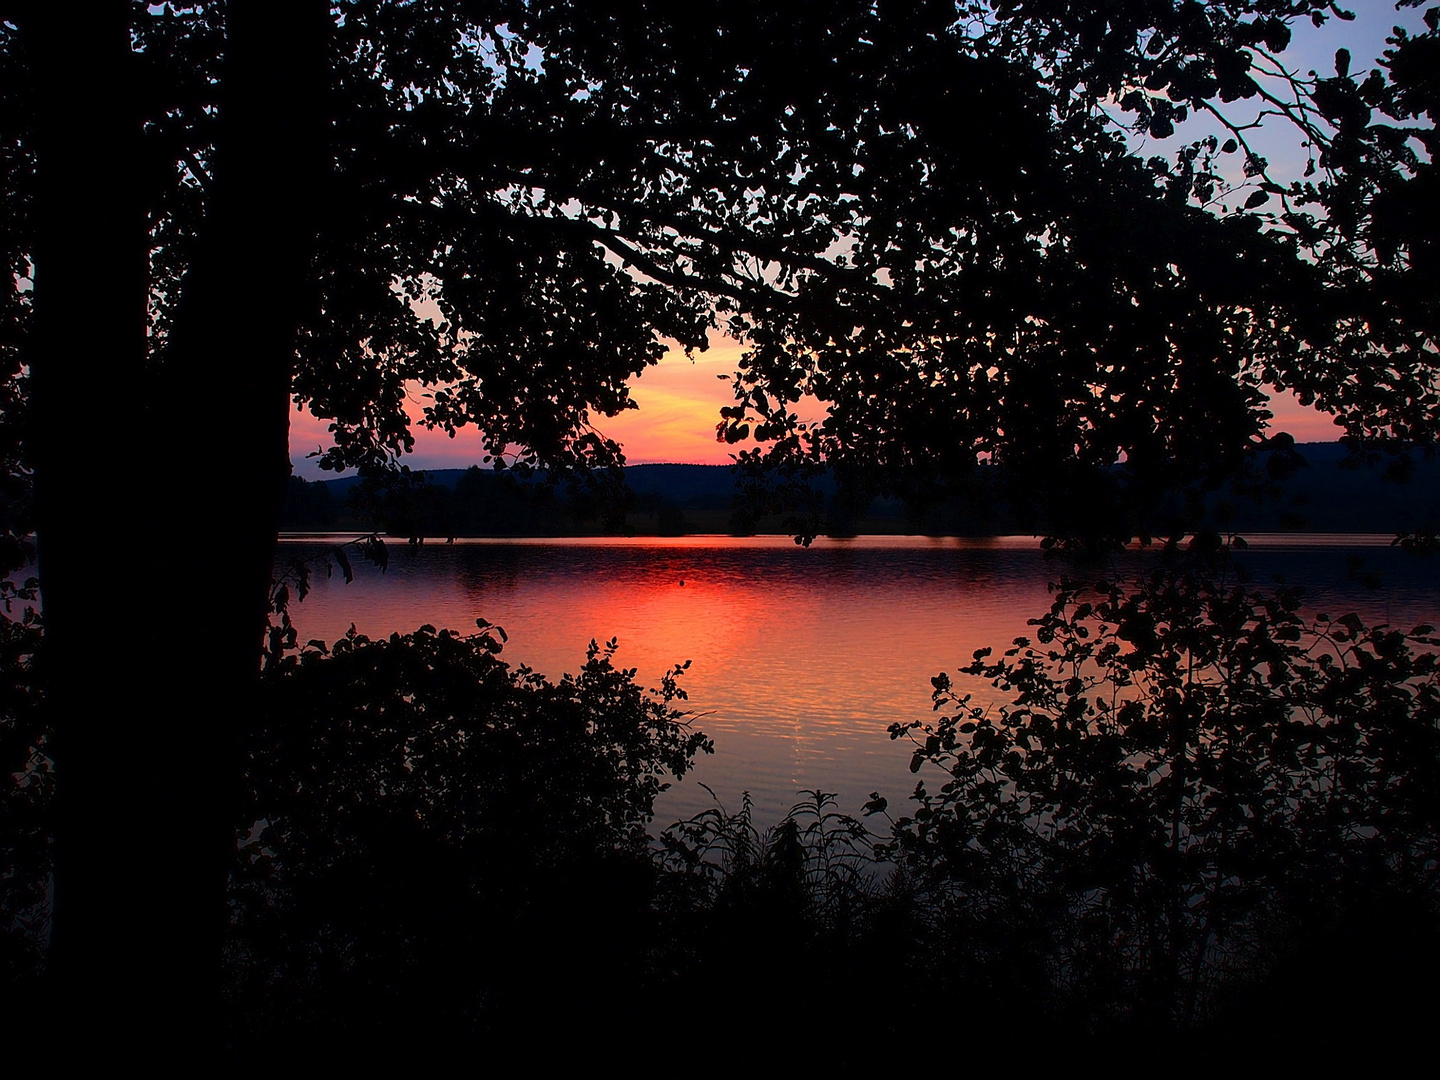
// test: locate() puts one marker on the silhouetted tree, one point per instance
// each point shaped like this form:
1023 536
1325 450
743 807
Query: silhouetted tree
441 844
1059 301
212 211
1170 784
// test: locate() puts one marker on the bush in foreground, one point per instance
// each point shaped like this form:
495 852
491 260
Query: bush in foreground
439 844
1180 806
1177 792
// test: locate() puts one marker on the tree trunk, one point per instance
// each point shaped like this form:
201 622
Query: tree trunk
147 717
87 435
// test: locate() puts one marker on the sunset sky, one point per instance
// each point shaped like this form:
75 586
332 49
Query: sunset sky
679 403
679 399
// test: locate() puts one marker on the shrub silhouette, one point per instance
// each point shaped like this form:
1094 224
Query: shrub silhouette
27 789
440 845
1188 803
1184 781
792 924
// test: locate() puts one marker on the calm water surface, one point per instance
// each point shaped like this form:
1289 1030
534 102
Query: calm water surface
801 657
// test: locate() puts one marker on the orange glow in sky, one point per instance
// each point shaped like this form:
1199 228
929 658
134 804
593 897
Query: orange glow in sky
679 405
680 401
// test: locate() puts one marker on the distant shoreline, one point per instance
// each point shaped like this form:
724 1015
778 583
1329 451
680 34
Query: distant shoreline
1252 540
1325 494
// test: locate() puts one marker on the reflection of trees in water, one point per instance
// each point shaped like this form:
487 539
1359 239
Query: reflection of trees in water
483 567
823 568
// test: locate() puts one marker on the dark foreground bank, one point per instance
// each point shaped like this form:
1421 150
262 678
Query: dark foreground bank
1202 826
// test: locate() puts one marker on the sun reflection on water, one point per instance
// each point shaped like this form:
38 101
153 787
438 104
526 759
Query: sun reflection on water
801 657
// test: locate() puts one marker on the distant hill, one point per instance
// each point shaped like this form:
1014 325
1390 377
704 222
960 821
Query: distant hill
1326 493
699 481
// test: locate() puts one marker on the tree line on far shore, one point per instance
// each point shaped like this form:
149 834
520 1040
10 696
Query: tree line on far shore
1312 487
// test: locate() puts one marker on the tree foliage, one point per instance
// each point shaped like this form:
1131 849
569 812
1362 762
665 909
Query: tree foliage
1173 779
430 835
1019 282
935 219
939 220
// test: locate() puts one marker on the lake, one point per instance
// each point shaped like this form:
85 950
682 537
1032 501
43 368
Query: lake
801 657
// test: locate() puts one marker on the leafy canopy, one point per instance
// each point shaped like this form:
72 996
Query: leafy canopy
938 220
